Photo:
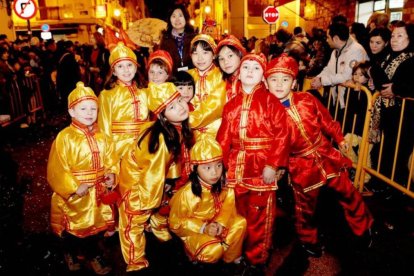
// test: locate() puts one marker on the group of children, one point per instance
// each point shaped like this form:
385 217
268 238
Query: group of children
217 146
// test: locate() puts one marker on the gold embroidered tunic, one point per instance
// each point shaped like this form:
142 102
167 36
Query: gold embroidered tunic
122 110
208 101
189 213
78 156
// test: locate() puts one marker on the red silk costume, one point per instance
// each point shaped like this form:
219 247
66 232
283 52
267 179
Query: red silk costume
253 134
314 162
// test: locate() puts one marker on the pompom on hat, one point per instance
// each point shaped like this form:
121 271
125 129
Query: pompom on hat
260 58
160 95
205 150
80 93
164 56
120 53
231 40
283 64
206 38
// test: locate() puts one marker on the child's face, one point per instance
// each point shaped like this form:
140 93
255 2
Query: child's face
186 91
156 74
125 71
251 73
201 58
177 111
85 112
228 60
210 172
280 85
358 77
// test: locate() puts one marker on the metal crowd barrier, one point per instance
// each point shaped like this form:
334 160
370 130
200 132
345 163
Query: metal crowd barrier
21 93
391 180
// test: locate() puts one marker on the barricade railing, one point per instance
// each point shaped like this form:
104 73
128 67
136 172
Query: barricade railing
25 99
399 184
354 119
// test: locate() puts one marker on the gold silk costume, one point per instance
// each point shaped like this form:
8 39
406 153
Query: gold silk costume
188 215
122 111
78 156
208 101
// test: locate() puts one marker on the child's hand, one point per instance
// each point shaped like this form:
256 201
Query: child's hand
316 83
109 180
82 190
344 148
269 175
213 229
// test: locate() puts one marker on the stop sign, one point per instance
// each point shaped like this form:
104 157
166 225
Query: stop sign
270 15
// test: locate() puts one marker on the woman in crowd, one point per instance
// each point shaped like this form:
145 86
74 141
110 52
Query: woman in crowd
177 38
393 78
379 39
97 62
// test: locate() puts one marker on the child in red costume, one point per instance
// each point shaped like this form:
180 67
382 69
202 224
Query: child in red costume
255 142
313 161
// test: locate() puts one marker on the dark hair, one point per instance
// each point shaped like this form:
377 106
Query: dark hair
341 30
340 19
235 51
384 33
171 136
187 28
297 30
203 44
364 66
196 185
183 78
360 32
283 36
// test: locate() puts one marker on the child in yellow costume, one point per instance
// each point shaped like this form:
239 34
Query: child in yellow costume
122 106
82 165
144 171
203 212
210 89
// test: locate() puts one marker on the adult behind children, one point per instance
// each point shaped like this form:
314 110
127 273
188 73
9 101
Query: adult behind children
347 52
255 142
177 38
393 78
144 171
203 212
123 107
313 161
81 168
229 54
97 60
210 89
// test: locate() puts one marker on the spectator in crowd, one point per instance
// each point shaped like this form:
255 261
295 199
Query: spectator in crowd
177 38
358 32
379 39
97 62
393 78
346 54
378 20
68 72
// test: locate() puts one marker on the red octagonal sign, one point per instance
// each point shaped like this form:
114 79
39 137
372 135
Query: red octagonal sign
270 15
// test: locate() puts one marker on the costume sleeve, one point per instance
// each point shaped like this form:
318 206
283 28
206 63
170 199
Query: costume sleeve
223 136
209 109
59 175
111 161
105 113
181 220
329 126
228 208
279 153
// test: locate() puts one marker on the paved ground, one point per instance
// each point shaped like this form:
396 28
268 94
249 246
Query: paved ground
28 248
